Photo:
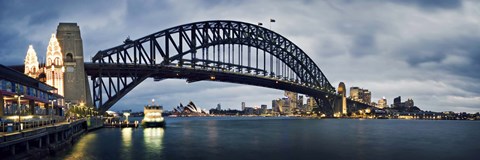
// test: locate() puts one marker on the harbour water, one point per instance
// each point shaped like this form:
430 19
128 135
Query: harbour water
283 138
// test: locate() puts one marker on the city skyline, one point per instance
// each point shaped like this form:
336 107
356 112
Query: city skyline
414 49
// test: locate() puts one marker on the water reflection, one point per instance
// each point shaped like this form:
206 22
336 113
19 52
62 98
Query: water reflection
212 133
127 142
153 139
80 151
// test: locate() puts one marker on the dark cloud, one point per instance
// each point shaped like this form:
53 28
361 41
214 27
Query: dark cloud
427 50
432 4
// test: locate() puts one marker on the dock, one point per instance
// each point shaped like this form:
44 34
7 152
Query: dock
116 124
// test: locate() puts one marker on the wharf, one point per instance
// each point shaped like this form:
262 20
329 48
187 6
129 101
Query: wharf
122 125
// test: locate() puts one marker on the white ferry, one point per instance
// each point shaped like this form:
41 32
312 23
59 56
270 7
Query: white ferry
153 116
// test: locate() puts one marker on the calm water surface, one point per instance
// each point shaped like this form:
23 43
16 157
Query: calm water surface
283 138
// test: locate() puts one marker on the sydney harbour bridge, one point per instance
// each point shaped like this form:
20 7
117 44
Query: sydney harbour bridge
224 51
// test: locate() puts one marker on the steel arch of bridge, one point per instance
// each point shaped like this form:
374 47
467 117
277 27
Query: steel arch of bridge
211 47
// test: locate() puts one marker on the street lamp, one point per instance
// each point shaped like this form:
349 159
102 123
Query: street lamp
19 110
51 111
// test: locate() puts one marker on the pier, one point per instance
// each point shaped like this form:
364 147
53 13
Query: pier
44 140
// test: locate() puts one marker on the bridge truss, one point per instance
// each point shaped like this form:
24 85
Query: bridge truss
228 51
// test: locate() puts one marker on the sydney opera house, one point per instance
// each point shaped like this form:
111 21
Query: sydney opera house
189 110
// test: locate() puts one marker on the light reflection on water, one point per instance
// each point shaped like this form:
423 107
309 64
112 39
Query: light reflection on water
79 151
250 138
153 140
127 142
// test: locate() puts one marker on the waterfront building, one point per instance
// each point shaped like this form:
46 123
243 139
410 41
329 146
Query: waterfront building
65 72
189 110
243 106
22 95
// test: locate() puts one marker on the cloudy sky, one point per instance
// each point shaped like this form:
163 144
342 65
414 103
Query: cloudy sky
426 50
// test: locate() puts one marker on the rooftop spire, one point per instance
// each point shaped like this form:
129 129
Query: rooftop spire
31 62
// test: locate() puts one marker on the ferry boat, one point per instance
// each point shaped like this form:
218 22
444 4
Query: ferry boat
153 116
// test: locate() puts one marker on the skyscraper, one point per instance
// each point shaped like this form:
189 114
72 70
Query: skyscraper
243 106
311 103
397 101
292 99
263 108
343 93
382 103
300 102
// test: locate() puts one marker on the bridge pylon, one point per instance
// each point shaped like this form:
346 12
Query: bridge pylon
76 86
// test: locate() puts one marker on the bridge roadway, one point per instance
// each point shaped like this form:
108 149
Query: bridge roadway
191 75
201 74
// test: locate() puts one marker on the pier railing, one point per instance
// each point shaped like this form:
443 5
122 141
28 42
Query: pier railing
15 126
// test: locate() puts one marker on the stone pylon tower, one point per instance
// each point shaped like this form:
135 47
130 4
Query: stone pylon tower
54 65
77 90
31 63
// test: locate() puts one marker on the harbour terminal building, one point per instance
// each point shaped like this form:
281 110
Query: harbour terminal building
23 97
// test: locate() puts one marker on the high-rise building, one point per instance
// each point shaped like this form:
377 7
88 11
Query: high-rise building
382 103
367 96
360 94
300 103
263 108
219 107
285 106
243 106
275 106
355 93
409 103
292 99
342 90
311 103
397 101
